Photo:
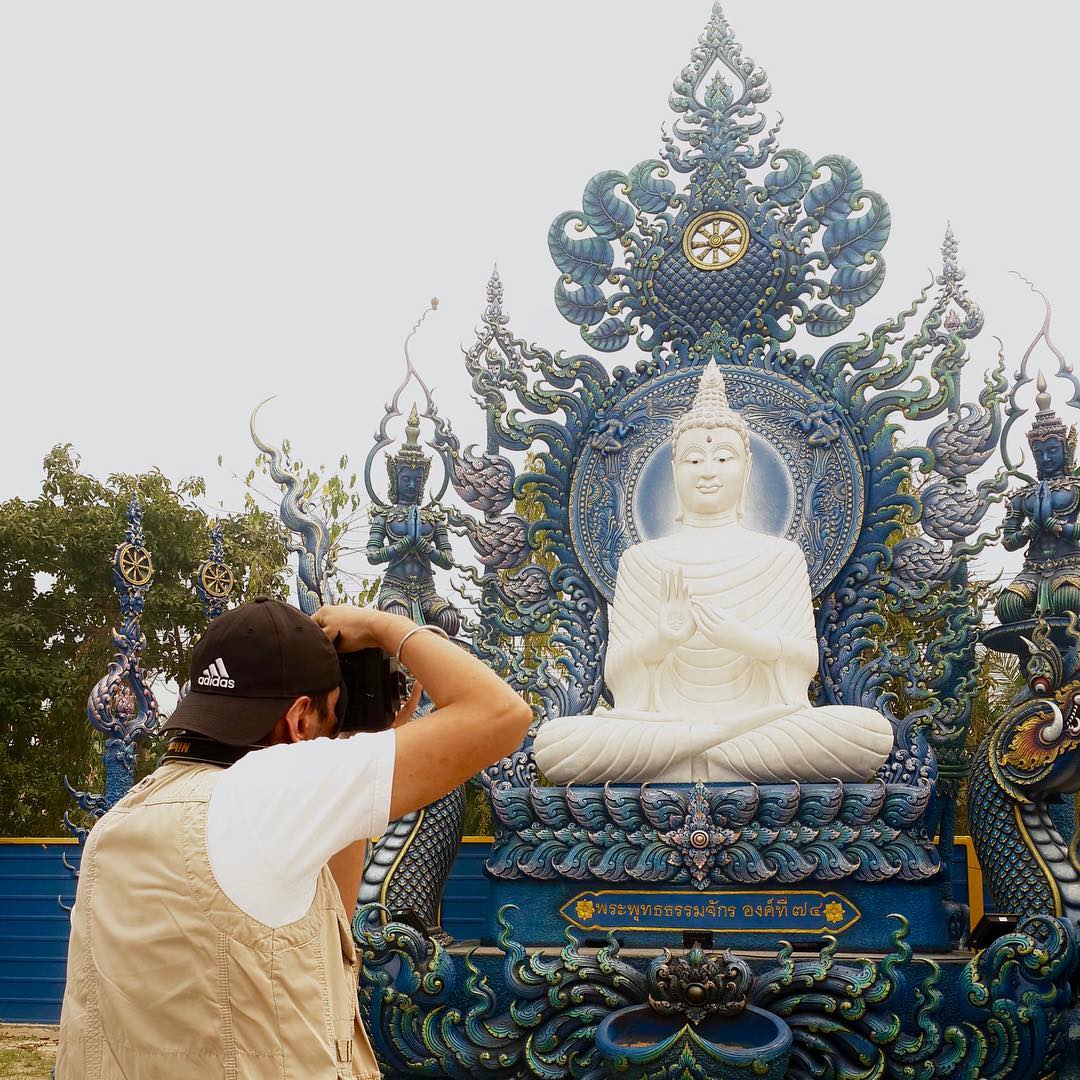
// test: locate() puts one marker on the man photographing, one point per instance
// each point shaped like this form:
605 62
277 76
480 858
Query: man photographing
211 931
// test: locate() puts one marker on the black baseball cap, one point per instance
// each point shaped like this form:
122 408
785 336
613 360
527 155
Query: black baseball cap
249 666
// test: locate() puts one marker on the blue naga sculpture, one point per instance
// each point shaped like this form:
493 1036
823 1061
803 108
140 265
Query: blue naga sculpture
1028 760
121 706
1026 770
312 546
408 867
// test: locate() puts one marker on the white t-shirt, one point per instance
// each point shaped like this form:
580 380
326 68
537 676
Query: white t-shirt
277 815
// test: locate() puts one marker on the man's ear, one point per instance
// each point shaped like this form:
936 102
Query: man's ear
298 720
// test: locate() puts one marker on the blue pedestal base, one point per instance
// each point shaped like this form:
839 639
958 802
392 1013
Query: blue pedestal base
514 1012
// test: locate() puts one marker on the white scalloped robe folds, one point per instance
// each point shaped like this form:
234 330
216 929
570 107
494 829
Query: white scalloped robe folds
706 713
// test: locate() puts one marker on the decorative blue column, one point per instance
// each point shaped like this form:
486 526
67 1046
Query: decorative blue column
121 706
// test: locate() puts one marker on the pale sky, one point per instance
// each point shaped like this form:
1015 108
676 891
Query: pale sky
205 204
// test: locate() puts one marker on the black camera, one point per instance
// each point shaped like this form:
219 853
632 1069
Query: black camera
373 688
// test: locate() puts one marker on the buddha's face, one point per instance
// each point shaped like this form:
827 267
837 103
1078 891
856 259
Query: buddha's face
410 485
1049 457
711 468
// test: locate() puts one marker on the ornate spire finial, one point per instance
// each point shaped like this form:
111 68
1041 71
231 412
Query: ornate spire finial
412 428
1042 398
951 271
711 408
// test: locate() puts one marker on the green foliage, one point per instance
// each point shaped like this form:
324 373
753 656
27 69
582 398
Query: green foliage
536 647
58 607
477 820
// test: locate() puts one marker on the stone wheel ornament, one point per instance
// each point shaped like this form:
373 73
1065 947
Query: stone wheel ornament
134 564
716 240
216 579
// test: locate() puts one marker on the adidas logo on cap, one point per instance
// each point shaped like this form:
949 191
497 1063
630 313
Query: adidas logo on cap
216 675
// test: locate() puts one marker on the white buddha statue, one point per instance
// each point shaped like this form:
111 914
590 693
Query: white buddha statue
712 644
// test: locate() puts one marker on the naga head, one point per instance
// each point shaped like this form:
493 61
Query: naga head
1036 745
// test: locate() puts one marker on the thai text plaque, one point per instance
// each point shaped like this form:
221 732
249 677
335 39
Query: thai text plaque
718 911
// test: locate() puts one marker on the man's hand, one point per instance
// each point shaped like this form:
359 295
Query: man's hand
352 628
405 713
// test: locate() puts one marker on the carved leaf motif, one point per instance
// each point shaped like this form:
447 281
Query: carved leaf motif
745 864
583 306
788 184
832 199
849 240
853 285
607 215
648 192
823 320
586 261
610 336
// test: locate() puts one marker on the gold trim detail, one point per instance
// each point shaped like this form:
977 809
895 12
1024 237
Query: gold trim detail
716 240
42 840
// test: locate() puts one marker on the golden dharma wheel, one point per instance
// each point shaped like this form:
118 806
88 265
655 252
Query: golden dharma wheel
716 240
216 579
134 564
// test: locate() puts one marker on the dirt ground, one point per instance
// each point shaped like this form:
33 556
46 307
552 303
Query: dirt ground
27 1052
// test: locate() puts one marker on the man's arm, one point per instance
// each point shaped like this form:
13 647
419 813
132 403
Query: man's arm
478 718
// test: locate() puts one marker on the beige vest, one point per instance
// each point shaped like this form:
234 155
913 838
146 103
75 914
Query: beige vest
168 978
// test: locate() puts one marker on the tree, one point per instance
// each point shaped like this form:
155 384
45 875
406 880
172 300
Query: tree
58 606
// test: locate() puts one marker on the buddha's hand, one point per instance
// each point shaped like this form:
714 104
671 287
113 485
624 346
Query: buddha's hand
720 629
675 621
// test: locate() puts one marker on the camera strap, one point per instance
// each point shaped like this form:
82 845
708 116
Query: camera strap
187 746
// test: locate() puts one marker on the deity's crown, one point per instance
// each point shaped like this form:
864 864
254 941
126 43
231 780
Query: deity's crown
1049 425
410 456
711 409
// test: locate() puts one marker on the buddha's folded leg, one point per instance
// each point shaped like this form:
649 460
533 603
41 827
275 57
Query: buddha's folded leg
834 742
601 748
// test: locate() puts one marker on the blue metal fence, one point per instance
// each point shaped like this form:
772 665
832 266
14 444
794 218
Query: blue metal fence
34 928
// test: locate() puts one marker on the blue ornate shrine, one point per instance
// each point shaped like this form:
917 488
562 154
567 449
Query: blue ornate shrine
606 949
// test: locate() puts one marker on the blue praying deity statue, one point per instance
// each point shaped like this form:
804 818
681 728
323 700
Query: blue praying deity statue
1043 516
411 539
